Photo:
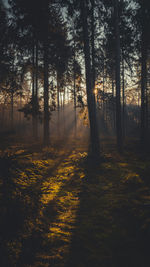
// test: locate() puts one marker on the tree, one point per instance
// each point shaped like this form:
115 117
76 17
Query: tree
117 61
144 16
4 57
43 43
95 149
46 70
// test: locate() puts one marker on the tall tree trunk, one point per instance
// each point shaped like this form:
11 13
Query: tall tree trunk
33 74
58 91
74 78
118 101
123 100
35 99
103 88
36 72
95 146
20 106
46 83
33 90
93 42
112 83
64 97
146 109
113 105
143 86
12 110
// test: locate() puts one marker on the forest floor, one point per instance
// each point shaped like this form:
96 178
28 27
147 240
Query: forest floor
60 209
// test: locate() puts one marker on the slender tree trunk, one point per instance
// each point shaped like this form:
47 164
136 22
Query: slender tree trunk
74 78
20 113
113 105
146 110
12 110
123 101
33 90
93 43
64 97
36 73
112 87
95 149
75 123
68 95
143 88
58 125
33 73
3 117
103 88
61 99
58 91
46 96
118 101
35 99
46 83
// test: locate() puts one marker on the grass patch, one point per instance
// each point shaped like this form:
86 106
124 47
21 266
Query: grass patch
58 209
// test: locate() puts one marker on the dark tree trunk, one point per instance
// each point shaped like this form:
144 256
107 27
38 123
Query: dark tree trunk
58 91
112 87
20 106
46 96
146 109
113 105
35 112
33 74
74 78
118 101
95 149
74 90
75 123
103 88
64 97
12 110
35 89
46 83
36 73
143 87
93 42
123 101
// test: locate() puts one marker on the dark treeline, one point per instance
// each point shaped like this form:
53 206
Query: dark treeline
42 48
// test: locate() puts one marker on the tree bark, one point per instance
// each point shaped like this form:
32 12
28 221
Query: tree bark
118 100
94 137
12 110
35 89
93 42
58 91
46 83
143 82
74 78
123 100
35 126
36 72
33 72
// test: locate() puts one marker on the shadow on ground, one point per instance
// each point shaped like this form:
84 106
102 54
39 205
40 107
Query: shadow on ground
60 209
112 227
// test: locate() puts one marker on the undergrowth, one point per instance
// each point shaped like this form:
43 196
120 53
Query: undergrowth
58 209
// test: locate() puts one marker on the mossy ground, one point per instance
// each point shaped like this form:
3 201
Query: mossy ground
59 209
